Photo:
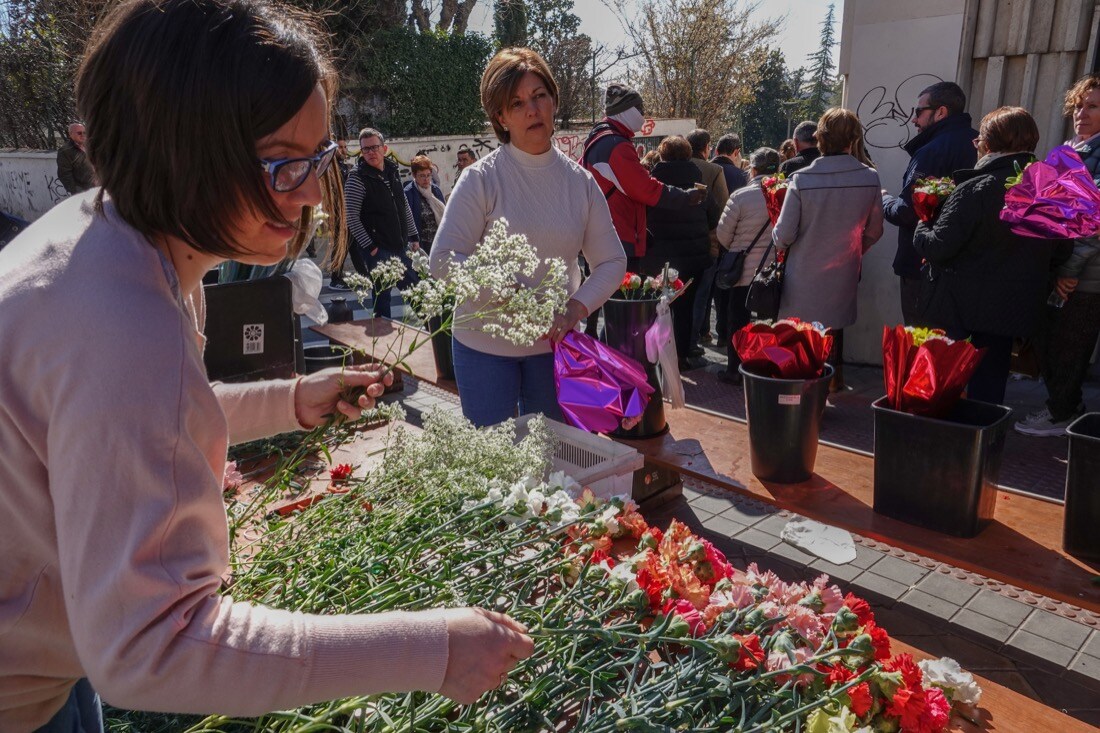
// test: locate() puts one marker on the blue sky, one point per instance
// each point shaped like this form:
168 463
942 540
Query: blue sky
798 38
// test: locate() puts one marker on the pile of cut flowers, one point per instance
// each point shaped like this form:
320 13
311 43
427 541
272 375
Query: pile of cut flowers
635 628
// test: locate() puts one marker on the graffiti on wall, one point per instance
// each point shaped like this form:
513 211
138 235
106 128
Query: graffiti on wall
887 117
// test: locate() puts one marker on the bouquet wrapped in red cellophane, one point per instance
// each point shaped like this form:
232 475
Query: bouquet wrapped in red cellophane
775 190
925 372
929 194
786 349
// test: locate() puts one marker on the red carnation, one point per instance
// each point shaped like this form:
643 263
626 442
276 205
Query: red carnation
341 472
880 640
860 699
752 656
860 608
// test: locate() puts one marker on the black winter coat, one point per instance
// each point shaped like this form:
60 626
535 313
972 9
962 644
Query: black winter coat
679 237
980 276
938 151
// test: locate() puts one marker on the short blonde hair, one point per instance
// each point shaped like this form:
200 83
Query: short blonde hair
836 130
501 77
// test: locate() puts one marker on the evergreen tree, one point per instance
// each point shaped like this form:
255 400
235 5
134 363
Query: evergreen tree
510 22
763 115
553 29
823 80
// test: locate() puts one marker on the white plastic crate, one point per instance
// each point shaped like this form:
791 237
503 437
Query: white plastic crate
603 465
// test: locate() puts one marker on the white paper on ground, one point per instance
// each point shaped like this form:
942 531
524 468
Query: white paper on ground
828 543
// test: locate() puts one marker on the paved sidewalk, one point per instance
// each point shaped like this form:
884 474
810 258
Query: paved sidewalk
1033 465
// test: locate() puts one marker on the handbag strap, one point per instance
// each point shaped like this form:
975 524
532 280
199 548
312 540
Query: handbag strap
759 234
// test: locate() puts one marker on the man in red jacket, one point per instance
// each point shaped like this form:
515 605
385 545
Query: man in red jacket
610 156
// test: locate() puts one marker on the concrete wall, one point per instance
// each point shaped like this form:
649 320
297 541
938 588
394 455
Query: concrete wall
29 185
890 50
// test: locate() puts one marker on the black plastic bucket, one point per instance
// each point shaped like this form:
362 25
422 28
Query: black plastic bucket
784 422
625 326
1080 536
940 474
322 357
441 348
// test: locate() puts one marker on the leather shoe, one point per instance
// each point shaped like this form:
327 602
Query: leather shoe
728 377
696 351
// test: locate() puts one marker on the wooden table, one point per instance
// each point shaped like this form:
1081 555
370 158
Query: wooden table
1001 709
386 340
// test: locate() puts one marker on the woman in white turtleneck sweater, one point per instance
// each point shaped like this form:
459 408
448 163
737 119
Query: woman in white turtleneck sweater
554 202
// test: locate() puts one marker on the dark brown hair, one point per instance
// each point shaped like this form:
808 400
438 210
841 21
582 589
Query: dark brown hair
674 147
420 163
178 92
836 130
501 77
1079 91
1009 130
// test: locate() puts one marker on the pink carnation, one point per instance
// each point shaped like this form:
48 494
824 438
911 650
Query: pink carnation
807 623
232 478
830 594
685 610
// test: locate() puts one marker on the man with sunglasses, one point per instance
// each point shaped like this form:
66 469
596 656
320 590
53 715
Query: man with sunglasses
380 222
944 143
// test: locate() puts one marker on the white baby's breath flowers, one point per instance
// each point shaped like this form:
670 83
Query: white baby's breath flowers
958 684
515 294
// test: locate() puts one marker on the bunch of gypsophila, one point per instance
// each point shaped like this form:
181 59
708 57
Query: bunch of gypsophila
451 517
503 289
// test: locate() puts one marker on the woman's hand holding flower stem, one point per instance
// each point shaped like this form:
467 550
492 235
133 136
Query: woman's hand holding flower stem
319 396
565 322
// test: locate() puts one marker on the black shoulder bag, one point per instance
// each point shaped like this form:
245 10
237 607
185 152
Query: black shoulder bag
766 287
732 263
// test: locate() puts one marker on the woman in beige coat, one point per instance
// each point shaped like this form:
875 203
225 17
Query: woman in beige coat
831 215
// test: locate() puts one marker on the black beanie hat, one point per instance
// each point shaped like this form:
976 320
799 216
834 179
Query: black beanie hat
620 98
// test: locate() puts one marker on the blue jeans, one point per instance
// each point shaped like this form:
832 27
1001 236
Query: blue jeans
82 712
382 308
700 312
491 387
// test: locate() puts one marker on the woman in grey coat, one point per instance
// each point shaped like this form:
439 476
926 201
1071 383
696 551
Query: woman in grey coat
831 215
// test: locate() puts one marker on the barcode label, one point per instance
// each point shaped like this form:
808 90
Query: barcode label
253 338
790 399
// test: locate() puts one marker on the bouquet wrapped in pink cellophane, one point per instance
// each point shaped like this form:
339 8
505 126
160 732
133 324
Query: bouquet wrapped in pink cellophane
1053 199
598 387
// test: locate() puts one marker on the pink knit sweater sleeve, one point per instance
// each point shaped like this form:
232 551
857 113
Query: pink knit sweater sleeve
256 410
143 542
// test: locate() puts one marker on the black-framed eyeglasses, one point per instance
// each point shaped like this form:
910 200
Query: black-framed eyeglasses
371 148
918 110
288 174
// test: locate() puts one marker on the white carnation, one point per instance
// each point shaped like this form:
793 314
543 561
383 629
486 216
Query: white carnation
957 683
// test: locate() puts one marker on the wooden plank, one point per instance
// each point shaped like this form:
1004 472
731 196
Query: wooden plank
1021 547
1002 709
388 341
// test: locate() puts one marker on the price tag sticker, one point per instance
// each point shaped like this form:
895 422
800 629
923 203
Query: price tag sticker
790 399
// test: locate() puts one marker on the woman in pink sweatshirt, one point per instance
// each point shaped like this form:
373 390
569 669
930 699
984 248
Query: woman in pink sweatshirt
208 125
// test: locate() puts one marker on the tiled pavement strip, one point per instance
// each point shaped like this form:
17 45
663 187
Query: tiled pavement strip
1038 647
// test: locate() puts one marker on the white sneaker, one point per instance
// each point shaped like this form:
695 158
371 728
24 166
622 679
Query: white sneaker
1034 418
1044 427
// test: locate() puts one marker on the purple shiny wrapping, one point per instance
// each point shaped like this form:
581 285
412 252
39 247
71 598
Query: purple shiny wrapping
597 385
1055 199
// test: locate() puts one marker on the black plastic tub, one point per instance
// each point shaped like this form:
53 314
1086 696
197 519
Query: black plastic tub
940 474
625 326
441 349
784 418
322 357
1080 536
